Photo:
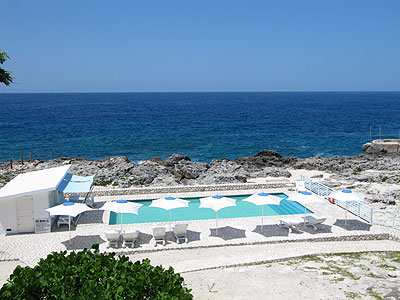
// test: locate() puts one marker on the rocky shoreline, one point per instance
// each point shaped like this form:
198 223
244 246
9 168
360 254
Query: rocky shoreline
120 172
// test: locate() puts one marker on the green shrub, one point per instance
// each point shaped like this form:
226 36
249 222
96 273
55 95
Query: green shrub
384 178
104 183
93 275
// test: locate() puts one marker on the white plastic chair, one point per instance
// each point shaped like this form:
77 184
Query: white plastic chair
180 232
130 237
112 237
159 235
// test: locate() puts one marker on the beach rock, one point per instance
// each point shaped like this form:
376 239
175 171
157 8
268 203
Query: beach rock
262 159
223 171
276 172
189 169
371 148
174 159
157 160
119 171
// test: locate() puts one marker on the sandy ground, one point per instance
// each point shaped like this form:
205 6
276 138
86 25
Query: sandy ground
352 276
323 277
6 269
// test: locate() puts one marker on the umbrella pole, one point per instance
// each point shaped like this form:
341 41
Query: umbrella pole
69 229
345 214
262 218
170 228
121 221
216 230
305 215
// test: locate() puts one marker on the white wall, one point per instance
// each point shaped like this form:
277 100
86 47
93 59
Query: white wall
8 216
40 203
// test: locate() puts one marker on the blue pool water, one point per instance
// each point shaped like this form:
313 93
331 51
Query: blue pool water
193 212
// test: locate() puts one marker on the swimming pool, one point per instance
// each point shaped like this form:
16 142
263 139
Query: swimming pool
193 212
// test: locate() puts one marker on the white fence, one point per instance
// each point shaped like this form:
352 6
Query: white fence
362 210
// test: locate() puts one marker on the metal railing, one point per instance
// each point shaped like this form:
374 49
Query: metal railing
362 210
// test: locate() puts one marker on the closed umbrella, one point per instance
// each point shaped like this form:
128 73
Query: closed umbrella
70 209
122 207
346 196
305 198
216 203
169 203
263 199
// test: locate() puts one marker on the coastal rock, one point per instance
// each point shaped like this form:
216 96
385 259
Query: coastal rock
189 169
223 171
119 172
262 159
174 159
276 172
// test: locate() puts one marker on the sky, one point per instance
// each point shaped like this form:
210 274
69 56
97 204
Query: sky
200 46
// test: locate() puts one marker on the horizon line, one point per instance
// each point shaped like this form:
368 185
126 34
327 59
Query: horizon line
155 92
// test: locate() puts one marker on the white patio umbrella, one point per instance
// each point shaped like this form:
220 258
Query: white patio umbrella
346 196
263 199
169 203
305 198
216 203
70 209
122 207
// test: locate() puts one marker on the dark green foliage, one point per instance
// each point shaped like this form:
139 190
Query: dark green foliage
93 275
5 76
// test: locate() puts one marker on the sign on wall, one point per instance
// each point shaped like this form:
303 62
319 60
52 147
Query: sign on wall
42 225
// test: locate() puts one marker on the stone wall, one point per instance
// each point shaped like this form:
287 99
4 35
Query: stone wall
383 146
188 189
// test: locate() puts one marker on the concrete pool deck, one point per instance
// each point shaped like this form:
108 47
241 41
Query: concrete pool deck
239 232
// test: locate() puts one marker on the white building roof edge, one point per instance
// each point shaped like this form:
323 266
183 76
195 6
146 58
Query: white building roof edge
34 182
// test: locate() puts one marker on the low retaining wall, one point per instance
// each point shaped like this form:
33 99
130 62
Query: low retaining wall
188 189
344 238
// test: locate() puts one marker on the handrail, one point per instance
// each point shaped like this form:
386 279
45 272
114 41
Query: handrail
359 209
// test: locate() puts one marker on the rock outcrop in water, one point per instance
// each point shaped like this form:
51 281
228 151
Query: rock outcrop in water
119 171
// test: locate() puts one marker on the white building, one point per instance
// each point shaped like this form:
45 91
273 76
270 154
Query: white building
24 199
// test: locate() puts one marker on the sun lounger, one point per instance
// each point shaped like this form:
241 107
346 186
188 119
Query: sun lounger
159 235
290 223
112 238
312 221
130 237
300 187
180 231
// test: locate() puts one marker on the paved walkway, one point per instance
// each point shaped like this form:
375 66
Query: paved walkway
29 248
189 260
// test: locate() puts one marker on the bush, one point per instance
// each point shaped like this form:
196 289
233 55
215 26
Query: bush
93 275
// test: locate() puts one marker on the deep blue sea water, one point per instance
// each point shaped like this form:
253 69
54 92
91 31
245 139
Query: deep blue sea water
200 125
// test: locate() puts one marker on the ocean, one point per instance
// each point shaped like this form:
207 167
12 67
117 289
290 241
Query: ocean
201 125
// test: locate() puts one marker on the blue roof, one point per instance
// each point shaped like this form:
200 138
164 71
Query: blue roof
76 184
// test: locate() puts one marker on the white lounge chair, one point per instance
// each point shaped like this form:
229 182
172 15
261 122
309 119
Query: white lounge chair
159 235
130 237
112 238
312 221
180 231
291 223
300 187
